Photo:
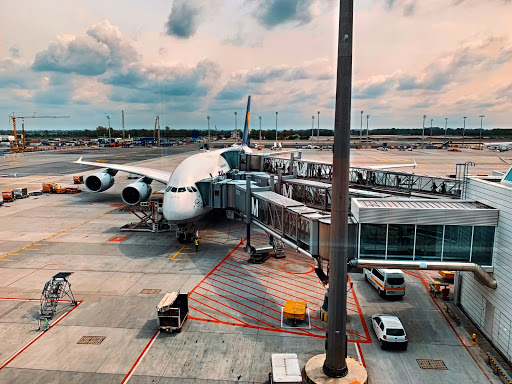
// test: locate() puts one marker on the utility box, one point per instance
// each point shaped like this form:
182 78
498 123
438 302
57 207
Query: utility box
20 193
172 311
79 179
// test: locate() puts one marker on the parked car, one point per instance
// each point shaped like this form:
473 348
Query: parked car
389 331
388 282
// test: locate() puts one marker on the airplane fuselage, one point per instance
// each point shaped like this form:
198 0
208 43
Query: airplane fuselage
182 202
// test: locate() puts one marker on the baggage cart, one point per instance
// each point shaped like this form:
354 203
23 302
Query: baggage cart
172 311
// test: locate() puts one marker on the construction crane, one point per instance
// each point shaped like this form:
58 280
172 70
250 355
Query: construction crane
13 117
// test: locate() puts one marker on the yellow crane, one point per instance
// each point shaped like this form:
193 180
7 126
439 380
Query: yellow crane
13 117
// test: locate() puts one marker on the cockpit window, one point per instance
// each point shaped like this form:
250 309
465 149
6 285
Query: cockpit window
168 189
189 189
174 189
195 190
181 189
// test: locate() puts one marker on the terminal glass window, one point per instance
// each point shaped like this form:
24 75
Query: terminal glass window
429 242
457 243
373 241
483 243
400 241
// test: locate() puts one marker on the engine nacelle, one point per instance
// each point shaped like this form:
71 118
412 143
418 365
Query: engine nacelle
99 182
136 192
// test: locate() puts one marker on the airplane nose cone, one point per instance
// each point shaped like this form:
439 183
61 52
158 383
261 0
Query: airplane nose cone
179 207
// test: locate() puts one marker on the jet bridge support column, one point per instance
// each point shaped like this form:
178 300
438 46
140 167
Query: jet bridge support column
248 213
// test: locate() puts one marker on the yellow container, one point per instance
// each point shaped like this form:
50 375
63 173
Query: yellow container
437 285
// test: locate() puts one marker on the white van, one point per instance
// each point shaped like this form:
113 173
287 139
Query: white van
390 282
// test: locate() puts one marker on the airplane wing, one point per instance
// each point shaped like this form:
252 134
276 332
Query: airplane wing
389 166
150 173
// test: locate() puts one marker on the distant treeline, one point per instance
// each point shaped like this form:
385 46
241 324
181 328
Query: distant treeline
291 134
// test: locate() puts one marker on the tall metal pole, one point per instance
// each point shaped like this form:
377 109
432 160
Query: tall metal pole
464 130
276 127
367 131
361 131
208 117
158 143
445 127
122 121
318 127
481 126
235 136
260 128
423 132
431 121
312 129
336 344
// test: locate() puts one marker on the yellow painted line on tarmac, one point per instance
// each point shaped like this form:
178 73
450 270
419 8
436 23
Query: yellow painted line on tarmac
101 161
58 233
6 260
121 156
177 253
31 249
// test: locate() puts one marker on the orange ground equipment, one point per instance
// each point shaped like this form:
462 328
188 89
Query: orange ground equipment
8 196
78 179
295 310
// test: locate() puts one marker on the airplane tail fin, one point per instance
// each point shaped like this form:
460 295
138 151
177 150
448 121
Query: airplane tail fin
246 137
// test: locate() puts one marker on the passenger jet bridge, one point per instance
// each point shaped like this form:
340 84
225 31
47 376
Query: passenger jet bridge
392 231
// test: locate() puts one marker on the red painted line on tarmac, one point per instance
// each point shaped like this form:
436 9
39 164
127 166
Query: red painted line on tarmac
216 310
361 316
146 348
273 328
451 326
282 286
270 288
209 273
270 274
460 339
40 335
313 280
30 274
418 277
297 273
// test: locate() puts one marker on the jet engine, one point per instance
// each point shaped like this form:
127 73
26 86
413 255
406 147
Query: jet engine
136 192
99 182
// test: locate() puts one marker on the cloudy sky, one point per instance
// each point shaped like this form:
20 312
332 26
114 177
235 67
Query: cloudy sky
186 59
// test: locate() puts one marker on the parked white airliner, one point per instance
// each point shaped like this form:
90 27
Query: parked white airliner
182 202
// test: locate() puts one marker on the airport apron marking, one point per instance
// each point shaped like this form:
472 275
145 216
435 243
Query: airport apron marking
57 234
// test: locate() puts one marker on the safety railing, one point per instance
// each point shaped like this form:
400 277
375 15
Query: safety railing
497 368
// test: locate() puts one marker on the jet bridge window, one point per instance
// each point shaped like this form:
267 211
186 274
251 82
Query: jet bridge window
181 189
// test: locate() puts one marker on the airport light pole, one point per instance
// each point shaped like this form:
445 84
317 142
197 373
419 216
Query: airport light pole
318 127
431 122
361 131
335 364
236 130
260 129
208 117
481 126
367 131
276 128
445 128
108 118
312 129
423 133
464 130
